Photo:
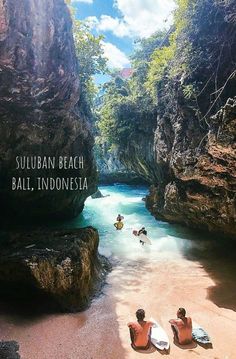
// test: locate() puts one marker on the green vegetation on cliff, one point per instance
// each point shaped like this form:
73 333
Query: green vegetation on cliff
196 52
91 61
90 58
126 103
200 55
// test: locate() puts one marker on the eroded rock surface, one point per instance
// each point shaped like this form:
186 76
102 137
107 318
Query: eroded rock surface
63 265
200 184
9 350
111 170
188 154
40 106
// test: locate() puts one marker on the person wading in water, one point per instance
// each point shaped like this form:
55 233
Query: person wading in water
142 231
119 224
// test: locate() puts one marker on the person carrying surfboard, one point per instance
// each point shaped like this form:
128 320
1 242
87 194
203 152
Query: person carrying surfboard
140 331
182 327
142 231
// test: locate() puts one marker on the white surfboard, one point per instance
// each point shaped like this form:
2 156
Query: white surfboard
144 239
159 338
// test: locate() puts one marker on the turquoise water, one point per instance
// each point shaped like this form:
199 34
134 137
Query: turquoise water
168 241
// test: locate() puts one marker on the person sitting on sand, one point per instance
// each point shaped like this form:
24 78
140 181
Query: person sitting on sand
142 231
140 331
182 327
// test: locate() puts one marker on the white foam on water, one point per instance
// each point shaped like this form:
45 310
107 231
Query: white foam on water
127 200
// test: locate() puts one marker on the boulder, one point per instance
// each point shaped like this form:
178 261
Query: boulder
9 350
61 266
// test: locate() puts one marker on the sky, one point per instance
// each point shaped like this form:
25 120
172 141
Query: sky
122 22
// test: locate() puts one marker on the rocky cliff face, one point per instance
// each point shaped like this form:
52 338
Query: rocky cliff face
40 106
63 266
194 143
189 154
200 183
111 170
138 154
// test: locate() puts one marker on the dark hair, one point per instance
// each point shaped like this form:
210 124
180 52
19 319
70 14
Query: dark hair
182 311
140 314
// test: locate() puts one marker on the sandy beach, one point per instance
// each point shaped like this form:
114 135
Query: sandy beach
101 332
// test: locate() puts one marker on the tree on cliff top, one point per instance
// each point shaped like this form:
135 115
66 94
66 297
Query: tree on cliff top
126 104
195 60
90 56
200 56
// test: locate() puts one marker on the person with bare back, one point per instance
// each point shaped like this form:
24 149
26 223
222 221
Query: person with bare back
140 331
182 327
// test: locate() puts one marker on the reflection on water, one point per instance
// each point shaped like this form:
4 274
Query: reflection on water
216 254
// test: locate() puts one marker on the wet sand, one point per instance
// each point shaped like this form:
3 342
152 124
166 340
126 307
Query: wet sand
101 332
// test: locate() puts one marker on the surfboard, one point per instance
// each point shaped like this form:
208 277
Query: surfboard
142 237
200 335
159 338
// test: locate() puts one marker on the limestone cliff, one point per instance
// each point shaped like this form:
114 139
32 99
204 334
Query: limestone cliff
200 185
194 142
188 154
111 169
40 106
63 266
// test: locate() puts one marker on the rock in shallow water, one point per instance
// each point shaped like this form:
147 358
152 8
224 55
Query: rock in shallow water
63 265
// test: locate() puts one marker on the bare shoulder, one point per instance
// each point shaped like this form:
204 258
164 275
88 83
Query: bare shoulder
189 320
174 321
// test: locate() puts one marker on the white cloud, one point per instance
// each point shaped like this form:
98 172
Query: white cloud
115 25
85 1
92 22
144 17
139 18
116 58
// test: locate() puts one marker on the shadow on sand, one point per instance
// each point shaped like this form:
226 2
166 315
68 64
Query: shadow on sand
217 255
27 305
152 349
